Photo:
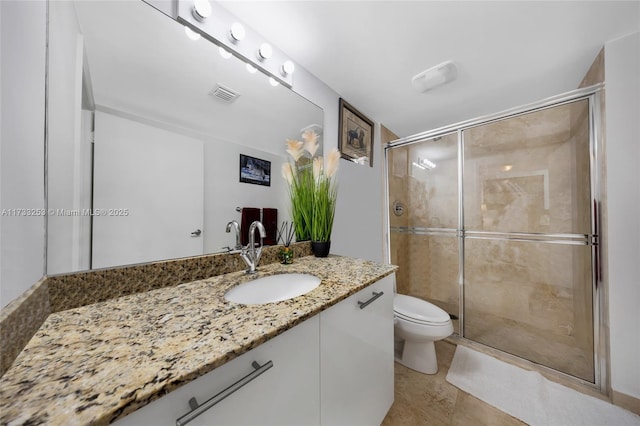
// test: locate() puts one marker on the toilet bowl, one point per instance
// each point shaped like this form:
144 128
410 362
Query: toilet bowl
418 324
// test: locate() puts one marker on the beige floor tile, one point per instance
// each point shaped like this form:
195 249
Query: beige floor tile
422 399
470 410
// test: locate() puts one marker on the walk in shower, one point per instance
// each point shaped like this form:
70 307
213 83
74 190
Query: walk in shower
495 220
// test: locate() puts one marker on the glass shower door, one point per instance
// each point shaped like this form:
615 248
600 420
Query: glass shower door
528 286
423 216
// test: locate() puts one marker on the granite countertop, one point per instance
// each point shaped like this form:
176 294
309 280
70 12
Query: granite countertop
97 363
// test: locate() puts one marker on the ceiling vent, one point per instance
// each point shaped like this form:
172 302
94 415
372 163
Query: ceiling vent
435 76
224 94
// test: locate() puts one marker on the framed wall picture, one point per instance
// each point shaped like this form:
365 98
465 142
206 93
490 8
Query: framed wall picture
355 139
254 170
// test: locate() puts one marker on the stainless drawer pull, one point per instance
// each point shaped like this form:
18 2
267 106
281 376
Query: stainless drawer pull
196 409
375 296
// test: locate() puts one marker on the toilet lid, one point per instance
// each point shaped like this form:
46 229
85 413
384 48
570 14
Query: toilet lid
418 309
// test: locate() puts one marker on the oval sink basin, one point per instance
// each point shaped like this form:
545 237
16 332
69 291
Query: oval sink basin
273 288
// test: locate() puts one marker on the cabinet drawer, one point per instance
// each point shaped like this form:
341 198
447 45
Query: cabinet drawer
285 394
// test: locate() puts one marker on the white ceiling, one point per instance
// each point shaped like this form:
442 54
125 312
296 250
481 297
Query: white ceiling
508 53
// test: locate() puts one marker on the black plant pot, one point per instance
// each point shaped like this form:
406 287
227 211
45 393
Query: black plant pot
320 248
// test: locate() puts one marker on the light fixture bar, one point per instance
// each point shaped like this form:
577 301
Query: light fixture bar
424 164
237 32
222 28
420 166
427 163
201 10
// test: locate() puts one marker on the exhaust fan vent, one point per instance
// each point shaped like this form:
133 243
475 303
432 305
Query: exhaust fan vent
224 94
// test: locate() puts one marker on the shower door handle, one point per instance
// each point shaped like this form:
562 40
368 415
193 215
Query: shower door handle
595 240
375 296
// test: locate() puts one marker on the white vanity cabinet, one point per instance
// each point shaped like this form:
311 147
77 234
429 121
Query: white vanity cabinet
335 368
285 394
356 357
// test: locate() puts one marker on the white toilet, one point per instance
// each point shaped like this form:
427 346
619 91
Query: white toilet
419 324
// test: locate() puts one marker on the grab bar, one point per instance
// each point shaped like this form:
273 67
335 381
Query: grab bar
196 409
375 296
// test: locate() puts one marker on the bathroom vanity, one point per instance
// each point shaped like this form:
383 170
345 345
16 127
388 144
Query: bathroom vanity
335 368
325 357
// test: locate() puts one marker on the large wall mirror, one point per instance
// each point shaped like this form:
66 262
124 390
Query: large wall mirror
142 151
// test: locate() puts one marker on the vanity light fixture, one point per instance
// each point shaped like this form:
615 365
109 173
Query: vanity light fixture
265 51
288 68
237 32
425 164
201 10
435 76
419 166
224 52
273 82
428 163
211 21
191 34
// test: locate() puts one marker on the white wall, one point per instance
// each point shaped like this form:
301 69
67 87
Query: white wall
357 229
67 151
622 79
23 38
223 191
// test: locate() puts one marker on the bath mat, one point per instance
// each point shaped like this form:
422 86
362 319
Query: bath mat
528 396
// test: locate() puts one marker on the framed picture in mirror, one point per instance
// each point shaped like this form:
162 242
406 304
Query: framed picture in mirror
355 139
254 170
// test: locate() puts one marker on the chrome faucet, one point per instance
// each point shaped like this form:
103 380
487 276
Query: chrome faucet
233 224
250 254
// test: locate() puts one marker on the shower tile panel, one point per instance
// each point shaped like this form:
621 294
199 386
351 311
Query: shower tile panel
531 300
529 173
428 269
429 195
515 203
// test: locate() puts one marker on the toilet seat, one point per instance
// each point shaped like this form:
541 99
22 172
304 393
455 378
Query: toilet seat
420 322
418 311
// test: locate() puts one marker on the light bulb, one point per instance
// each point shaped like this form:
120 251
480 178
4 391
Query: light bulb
201 10
288 68
224 52
237 32
251 69
273 82
191 34
265 51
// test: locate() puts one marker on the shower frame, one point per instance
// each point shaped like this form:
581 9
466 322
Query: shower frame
600 336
